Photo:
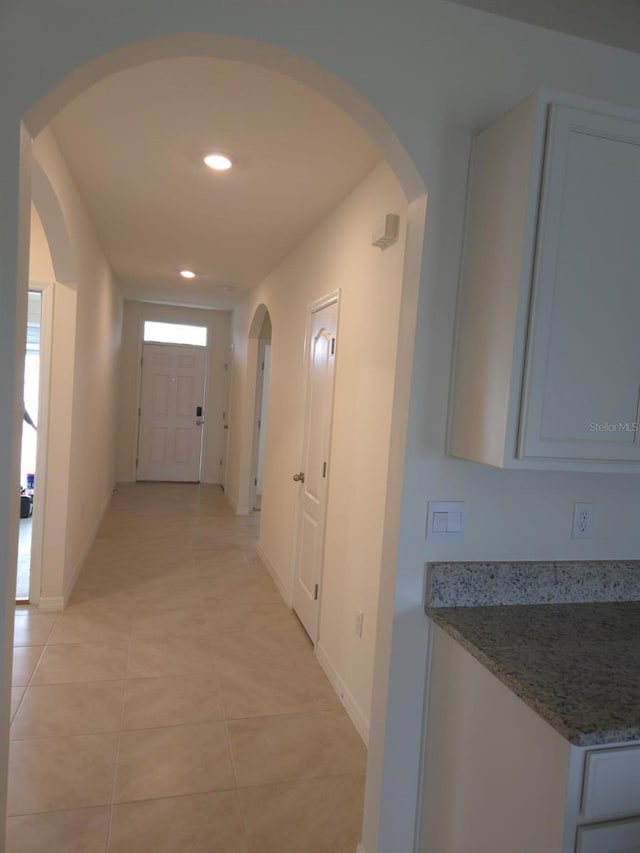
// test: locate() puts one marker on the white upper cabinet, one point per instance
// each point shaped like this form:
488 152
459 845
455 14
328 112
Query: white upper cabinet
547 369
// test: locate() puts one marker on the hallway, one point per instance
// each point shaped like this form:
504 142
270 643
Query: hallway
176 705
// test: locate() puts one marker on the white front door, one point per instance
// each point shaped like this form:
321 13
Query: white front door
170 432
313 477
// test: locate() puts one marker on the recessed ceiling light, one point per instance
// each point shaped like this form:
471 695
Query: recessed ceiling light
187 274
218 162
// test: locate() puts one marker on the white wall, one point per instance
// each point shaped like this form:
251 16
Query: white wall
87 316
436 72
40 263
337 254
217 323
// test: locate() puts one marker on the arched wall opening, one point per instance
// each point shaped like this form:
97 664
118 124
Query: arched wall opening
261 363
54 458
336 90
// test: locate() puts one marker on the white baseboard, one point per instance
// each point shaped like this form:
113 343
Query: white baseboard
237 509
284 592
353 709
51 603
68 589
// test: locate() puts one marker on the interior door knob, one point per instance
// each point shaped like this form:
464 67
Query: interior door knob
299 478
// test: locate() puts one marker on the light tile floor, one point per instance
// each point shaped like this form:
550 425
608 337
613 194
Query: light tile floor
176 705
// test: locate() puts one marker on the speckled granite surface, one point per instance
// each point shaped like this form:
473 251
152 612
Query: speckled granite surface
485 584
577 665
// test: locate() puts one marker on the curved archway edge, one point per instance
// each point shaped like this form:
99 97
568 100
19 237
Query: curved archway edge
241 50
363 113
258 319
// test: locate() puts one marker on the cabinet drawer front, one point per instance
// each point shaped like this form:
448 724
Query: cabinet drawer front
611 783
620 837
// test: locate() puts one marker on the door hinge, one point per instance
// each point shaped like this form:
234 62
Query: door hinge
136 461
315 593
333 346
262 367
141 359
219 463
255 482
138 411
259 424
324 469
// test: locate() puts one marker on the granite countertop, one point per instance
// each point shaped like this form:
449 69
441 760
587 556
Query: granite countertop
576 665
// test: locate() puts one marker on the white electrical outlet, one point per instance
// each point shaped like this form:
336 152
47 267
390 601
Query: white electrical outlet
358 622
582 520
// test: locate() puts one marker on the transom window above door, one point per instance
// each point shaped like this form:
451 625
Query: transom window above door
174 333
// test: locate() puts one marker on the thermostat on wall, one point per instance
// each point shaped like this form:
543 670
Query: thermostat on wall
386 231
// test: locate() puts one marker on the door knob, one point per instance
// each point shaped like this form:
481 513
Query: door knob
299 478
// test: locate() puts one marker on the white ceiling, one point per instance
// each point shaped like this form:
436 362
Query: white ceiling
134 143
613 22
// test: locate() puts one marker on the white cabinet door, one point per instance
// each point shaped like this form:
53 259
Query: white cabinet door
620 837
582 385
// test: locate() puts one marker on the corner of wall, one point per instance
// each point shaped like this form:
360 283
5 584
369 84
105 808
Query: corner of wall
282 589
352 708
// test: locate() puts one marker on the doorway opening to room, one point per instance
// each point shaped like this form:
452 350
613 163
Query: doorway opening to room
29 445
173 370
260 413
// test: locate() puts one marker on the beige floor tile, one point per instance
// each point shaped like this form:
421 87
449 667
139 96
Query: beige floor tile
172 701
175 593
25 660
252 648
163 623
252 618
62 710
17 693
270 689
165 656
235 590
310 816
61 773
83 662
84 626
172 761
172 615
298 746
32 628
200 823
221 558
203 543
79 831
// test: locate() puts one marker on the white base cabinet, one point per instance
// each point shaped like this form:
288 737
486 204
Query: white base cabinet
499 779
547 364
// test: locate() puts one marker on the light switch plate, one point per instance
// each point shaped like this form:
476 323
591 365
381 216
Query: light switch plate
445 521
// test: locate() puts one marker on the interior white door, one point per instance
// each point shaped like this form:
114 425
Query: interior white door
313 477
170 431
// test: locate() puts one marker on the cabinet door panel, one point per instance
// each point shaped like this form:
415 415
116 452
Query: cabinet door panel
582 383
620 837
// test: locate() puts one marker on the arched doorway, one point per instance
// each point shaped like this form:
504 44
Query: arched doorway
54 458
260 410
343 95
